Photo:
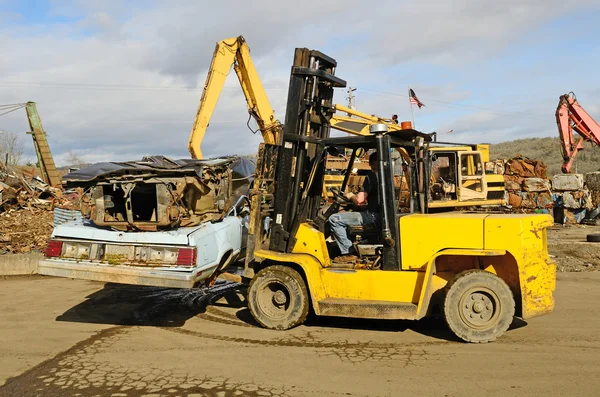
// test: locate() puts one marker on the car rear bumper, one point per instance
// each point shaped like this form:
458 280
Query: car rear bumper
122 274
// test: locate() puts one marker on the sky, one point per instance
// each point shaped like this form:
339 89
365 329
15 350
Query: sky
117 80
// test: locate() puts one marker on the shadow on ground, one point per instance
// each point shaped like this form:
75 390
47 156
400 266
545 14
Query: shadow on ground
119 304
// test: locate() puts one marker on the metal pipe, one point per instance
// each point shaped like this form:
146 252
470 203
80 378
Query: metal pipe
420 172
413 184
299 173
379 130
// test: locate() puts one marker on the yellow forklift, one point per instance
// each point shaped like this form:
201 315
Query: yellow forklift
478 269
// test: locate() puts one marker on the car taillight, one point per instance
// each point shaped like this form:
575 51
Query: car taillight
53 248
186 256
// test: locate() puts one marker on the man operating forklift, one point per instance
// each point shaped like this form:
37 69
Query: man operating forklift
367 201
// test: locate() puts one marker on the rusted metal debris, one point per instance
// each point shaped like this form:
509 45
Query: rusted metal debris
525 167
571 198
26 205
158 193
153 194
18 191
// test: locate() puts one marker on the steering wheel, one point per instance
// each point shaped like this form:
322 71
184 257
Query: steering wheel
340 200
339 196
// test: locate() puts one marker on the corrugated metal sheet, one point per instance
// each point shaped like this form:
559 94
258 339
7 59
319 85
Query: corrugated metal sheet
63 216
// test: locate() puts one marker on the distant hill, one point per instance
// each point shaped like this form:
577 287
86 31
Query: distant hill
549 151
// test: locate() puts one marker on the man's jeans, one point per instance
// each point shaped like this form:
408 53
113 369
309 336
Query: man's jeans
341 221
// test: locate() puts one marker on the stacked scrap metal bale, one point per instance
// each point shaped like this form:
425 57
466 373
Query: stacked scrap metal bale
527 186
592 182
572 198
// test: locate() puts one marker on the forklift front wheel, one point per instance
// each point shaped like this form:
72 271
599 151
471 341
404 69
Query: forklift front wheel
278 298
479 306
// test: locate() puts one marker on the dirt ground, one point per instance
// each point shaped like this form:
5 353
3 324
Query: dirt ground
63 337
569 248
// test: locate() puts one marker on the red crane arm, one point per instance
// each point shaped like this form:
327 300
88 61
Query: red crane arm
570 116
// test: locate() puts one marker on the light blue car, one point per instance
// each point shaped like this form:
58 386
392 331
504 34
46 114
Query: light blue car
179 258
203 202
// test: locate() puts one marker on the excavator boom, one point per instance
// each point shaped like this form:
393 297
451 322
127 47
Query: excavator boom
358 123
570 116
234 52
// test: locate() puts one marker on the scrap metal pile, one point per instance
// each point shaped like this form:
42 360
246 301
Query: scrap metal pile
155 193
158 193
26 211
526 183
571 198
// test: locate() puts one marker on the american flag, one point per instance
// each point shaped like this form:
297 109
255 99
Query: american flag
413 98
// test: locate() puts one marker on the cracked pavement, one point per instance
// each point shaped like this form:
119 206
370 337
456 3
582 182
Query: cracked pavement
66 337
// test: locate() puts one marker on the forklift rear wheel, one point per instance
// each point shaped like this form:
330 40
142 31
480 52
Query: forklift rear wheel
479 306
278 298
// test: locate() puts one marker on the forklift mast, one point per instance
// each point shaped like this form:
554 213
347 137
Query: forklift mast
300 166
288 179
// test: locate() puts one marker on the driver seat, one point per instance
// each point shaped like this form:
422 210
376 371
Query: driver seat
367 240
360 233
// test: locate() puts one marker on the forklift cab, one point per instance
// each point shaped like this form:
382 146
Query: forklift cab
379 247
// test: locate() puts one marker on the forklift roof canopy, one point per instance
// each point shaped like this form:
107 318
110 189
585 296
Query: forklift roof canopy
403 138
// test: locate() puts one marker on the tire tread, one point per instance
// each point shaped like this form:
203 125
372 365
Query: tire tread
467 336
286 274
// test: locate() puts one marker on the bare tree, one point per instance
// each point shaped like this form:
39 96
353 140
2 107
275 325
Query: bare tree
11 148
73 159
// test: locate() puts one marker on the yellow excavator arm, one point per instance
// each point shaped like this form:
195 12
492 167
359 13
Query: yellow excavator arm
235 52
228 52
358 123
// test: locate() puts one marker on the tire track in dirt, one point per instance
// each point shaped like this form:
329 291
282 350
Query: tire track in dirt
76 372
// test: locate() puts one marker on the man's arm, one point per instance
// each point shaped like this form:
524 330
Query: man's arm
359 199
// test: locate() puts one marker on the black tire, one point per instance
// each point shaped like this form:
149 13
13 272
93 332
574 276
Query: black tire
278 298
593 238
478 306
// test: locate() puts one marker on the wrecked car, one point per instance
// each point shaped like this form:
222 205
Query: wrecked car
158 221
158 193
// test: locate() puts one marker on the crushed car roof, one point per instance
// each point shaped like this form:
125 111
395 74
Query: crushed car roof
157 166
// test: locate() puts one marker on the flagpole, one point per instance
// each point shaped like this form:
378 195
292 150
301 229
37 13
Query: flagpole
411 109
